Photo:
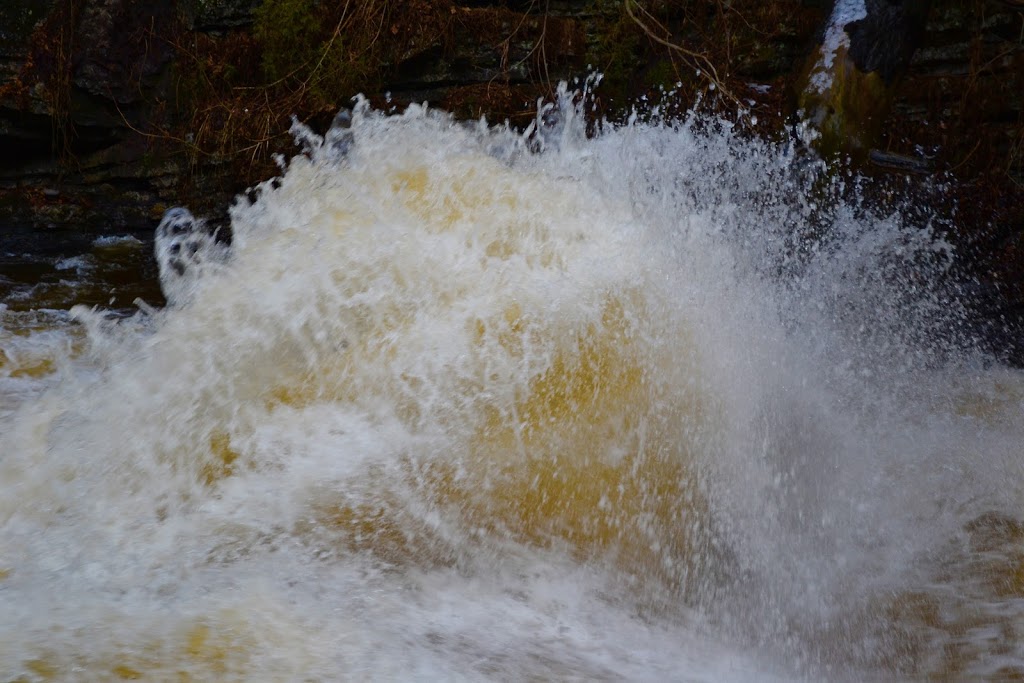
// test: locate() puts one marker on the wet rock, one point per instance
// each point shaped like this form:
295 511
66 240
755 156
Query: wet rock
18 18
221 15
885 39
487 44
848 85
24 120
124 49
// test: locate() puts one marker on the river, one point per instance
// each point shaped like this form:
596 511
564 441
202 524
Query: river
664 404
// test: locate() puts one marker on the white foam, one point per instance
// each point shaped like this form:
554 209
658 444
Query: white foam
116 240
317 465
80 264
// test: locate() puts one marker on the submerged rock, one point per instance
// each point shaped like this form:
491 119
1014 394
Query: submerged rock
184 245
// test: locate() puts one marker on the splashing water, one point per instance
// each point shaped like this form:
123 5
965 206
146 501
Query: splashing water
652 406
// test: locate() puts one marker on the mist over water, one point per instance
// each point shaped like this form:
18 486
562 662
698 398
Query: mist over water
664 404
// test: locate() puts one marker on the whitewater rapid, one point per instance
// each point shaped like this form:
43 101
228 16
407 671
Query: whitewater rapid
465 404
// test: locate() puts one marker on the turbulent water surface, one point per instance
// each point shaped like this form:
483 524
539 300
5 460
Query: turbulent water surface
470 405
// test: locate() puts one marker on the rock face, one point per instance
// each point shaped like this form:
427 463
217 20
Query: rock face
885 39
79 78
24 123
111 110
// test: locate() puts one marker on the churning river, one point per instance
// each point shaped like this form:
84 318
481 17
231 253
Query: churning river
465 404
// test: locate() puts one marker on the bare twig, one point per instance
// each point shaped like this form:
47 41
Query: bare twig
695 60
966 158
